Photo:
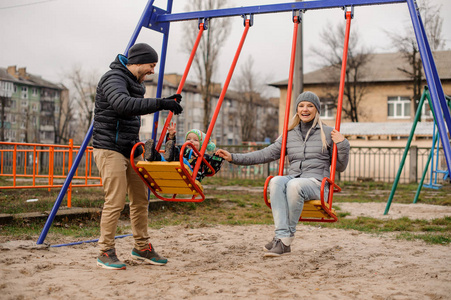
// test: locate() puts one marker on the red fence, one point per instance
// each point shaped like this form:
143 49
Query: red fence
28 165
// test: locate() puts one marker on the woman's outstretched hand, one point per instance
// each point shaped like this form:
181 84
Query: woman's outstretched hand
337 136
224 154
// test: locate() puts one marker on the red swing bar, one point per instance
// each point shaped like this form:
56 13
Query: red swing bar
247 24
143 172
181 84
179 168
327 207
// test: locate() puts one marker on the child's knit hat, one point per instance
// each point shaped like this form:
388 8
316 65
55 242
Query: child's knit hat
211 146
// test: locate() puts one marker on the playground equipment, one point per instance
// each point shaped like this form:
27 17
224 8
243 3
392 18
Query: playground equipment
437 115
434 155
177 178
157 19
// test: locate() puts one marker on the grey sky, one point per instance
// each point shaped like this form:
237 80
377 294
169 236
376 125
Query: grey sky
51 37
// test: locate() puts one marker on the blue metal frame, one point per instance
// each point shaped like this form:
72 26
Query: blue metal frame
270 8
164 49
66 184
435 87
159 20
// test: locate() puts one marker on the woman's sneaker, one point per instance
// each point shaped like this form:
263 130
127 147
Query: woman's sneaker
149 255
278 249
270 245
109 260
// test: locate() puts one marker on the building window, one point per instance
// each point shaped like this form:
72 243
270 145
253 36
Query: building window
34 91
24 92
327 110
426 112
398 107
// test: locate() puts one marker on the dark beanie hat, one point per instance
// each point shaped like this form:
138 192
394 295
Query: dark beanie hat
142 54
309 97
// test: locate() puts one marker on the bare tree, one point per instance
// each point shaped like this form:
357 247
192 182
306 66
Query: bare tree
5 101
83 90
406 44
206 60
65 127
331 58
433 23
246 84
254 109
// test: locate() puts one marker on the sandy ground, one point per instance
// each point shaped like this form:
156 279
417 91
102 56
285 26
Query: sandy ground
226 262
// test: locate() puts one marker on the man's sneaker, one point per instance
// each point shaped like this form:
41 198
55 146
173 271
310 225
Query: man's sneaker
149 255
270 245
150 154
169 150
278 249
109 260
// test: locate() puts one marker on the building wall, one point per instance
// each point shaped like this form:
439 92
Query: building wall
373 107
30 111
227 129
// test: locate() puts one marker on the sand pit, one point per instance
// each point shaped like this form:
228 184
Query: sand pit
226 262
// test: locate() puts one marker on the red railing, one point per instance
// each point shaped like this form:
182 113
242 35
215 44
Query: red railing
29 165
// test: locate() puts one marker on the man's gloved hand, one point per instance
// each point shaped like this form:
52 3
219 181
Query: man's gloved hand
177 98
171 103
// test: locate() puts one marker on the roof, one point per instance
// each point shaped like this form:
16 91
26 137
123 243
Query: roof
386 128
382 67
33 80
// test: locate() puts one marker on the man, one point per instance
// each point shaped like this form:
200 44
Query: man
119 103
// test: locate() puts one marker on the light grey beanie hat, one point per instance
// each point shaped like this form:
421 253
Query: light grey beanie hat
309 97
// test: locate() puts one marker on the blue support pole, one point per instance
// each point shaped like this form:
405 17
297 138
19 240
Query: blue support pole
145 19
66 184
440 93
164 48
432 79
88 241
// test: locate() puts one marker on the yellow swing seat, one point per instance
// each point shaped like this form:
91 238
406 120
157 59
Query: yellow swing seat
167 180
168 177
313 210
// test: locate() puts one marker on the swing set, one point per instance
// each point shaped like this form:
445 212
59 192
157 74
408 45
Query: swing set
176 178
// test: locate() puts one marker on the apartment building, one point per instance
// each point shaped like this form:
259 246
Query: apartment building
227 129
386 110
30 107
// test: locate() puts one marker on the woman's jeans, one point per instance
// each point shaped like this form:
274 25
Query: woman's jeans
287 201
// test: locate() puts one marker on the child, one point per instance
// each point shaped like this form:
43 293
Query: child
172 152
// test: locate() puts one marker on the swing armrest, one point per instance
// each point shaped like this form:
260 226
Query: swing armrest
182 150
336 188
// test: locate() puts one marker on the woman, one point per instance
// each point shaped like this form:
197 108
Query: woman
309 151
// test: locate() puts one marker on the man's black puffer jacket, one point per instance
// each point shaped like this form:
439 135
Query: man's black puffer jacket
118 106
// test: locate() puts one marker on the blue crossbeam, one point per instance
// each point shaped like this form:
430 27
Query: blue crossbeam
270 8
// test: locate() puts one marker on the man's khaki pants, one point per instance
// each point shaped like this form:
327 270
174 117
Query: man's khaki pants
118 178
